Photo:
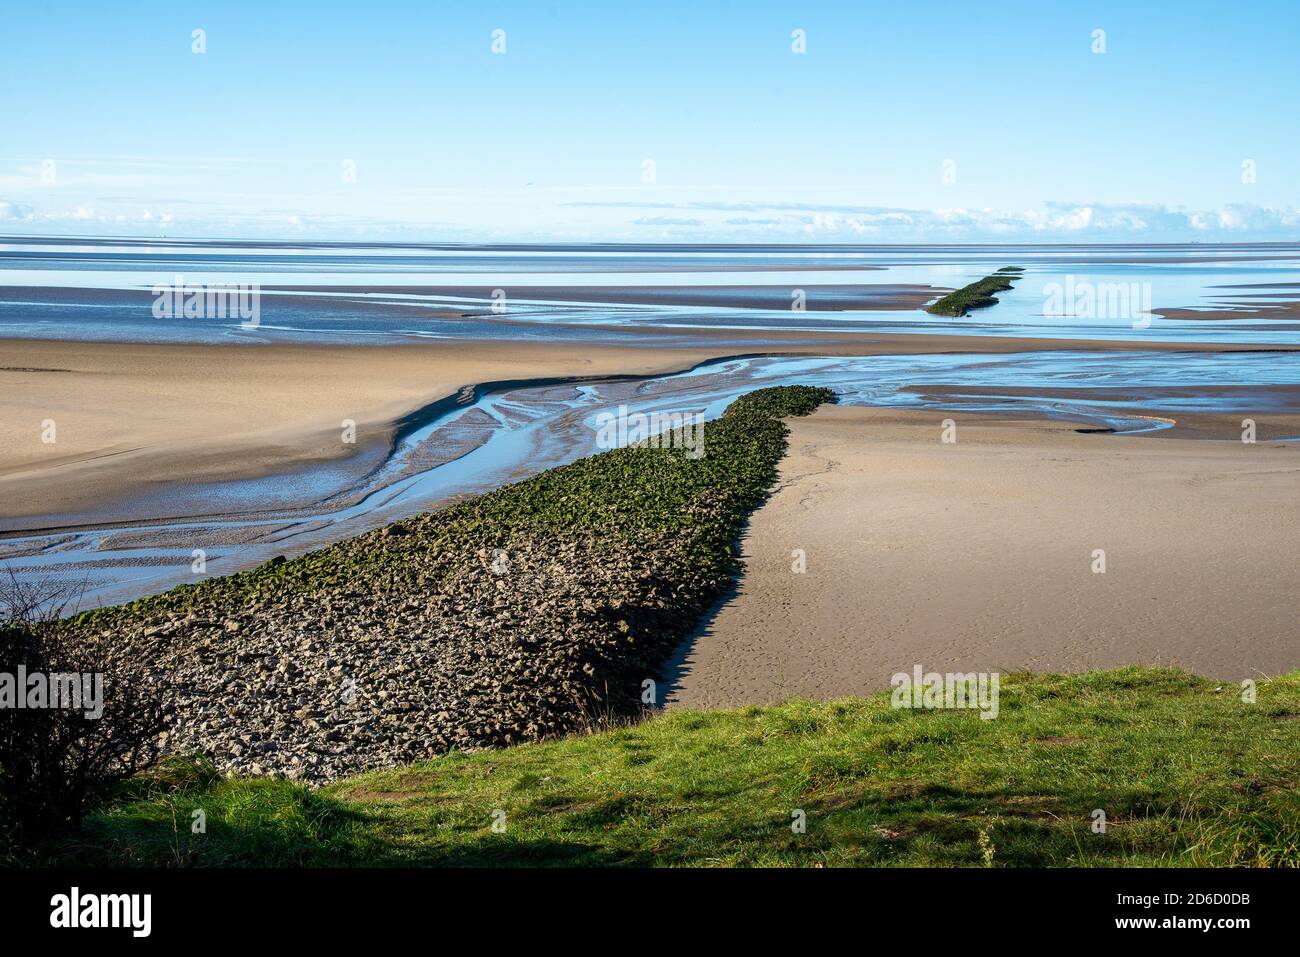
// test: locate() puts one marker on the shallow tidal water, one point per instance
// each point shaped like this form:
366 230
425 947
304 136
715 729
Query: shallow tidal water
102 290
509 431
95 290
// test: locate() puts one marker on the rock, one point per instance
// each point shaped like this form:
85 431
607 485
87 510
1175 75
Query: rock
444 652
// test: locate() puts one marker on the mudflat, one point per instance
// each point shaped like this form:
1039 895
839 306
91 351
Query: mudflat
132 415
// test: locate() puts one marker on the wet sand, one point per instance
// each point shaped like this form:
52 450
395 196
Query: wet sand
849 298
978 556
1264 300
131 416
1272 410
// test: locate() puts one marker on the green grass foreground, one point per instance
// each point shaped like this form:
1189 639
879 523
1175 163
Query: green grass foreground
1186 772
977 295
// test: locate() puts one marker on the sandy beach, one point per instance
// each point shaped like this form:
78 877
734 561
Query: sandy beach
130 415
979 556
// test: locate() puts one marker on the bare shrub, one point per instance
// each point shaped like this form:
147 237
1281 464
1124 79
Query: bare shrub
54 761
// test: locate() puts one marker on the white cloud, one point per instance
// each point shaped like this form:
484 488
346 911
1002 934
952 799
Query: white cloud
1067 221
11 212
666 221
696 221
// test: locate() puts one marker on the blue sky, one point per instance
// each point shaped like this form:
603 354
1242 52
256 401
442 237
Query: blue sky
901 122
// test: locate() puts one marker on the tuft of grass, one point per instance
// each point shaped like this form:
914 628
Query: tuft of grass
977 295
1186 773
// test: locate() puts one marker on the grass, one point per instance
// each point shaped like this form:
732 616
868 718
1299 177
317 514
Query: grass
977 295
1186 772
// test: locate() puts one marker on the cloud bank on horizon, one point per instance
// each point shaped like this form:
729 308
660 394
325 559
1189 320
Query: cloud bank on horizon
770 122
702 221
